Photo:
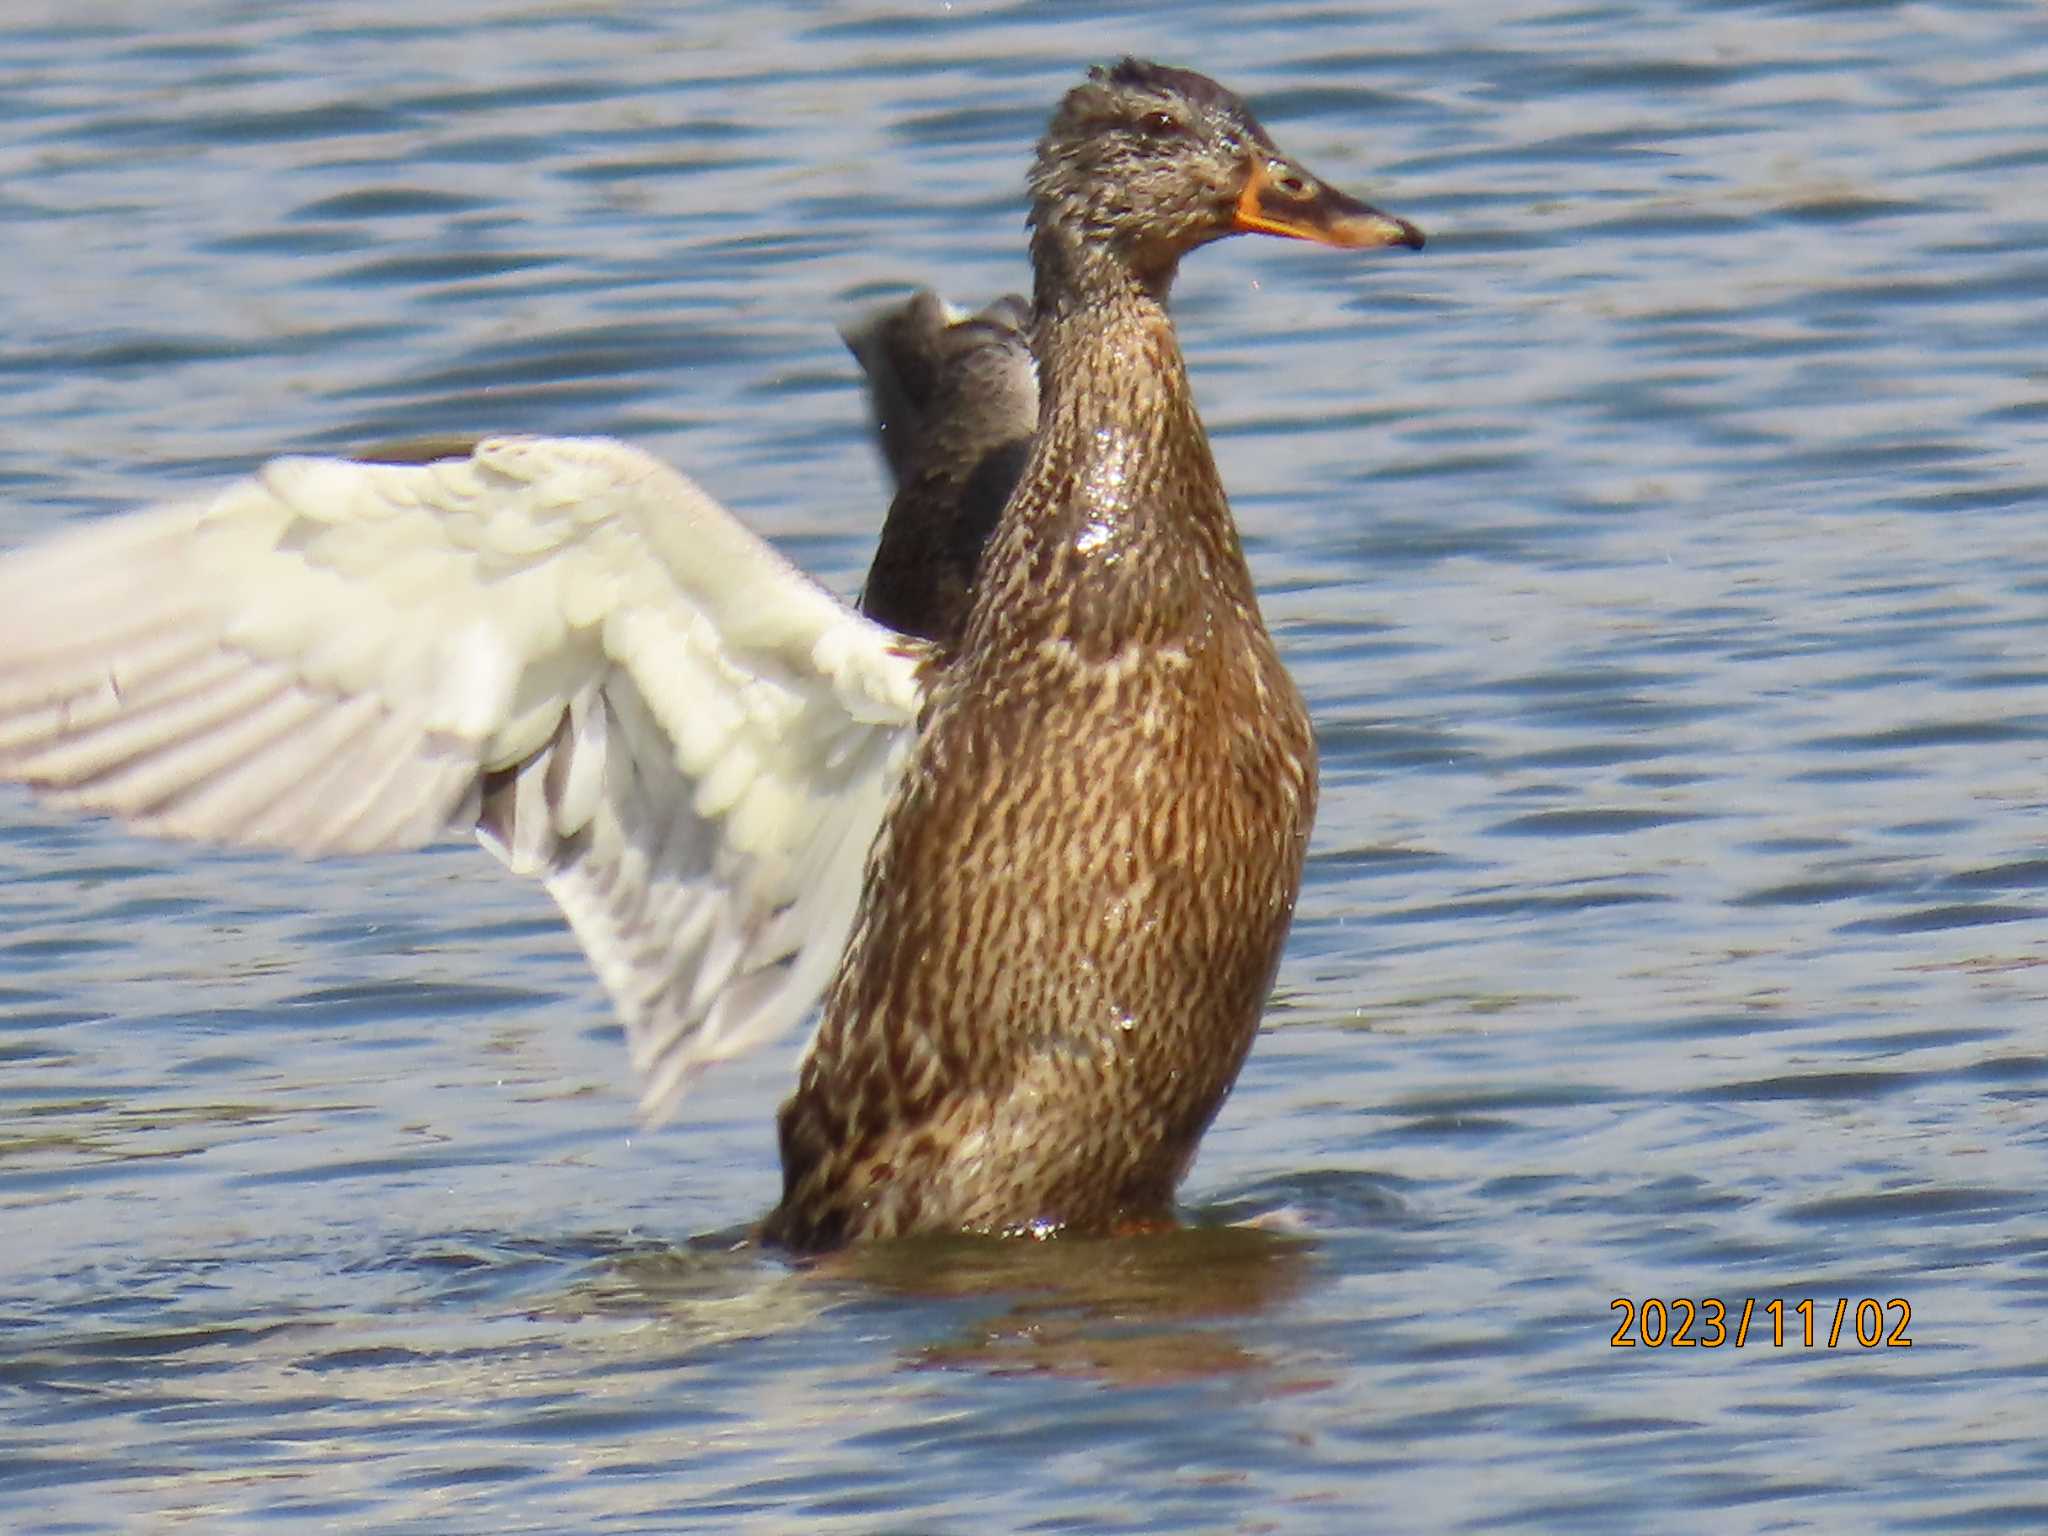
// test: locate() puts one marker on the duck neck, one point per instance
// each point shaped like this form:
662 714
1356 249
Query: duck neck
1118 532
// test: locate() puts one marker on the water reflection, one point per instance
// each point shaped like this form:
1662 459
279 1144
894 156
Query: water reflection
1131 1310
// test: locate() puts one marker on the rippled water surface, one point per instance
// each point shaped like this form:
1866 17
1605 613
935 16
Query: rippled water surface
1661 552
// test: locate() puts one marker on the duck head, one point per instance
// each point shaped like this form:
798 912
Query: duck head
1143 163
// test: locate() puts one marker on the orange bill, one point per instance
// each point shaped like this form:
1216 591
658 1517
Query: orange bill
1281 198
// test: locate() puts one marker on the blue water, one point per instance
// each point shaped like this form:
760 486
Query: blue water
1660 552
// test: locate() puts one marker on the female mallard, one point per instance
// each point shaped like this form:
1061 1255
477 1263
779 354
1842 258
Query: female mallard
1054 858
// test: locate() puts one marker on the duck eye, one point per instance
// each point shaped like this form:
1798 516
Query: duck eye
1287 180
1160 124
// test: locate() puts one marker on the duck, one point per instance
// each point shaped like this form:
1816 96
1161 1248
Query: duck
954 400
1028 833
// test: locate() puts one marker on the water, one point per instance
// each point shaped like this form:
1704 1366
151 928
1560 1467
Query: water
1659 552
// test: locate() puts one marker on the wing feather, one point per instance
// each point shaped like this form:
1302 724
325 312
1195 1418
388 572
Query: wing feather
560 643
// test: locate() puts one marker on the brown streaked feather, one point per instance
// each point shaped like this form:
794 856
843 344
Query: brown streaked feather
1076 904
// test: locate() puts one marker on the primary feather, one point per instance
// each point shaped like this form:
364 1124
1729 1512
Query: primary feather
560 643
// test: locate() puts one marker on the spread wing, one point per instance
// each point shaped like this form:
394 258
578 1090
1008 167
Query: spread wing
558 642
954 398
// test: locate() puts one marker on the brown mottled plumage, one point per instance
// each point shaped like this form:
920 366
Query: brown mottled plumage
1074 909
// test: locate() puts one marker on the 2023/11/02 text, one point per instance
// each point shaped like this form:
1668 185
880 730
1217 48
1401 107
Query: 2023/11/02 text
1682 1323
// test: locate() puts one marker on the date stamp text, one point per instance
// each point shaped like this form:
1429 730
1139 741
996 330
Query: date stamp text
1710 1323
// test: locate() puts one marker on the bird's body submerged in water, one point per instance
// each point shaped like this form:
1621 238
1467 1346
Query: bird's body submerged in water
1042 861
